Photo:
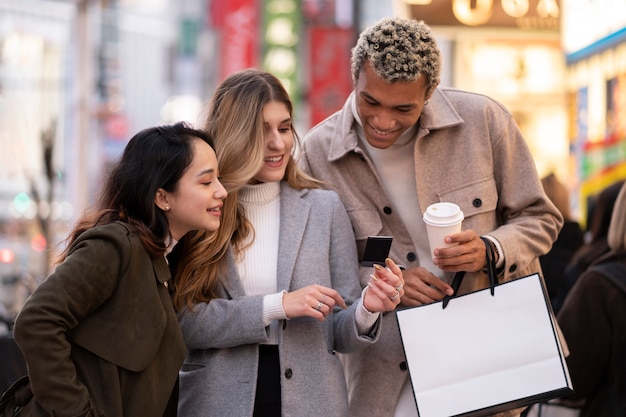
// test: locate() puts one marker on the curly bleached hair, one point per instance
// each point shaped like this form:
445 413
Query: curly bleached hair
399 49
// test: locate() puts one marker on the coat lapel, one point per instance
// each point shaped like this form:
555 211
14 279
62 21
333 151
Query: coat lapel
161 270
294 215
232 282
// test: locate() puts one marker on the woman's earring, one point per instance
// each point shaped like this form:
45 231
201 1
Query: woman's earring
167 208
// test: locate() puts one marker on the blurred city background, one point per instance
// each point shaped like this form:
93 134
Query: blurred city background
79 77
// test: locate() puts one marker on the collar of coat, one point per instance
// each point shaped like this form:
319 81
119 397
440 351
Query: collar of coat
439 113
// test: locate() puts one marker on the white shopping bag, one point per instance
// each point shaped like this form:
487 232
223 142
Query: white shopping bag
484 353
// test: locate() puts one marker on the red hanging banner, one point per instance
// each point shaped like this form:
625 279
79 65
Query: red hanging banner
239 27
331 82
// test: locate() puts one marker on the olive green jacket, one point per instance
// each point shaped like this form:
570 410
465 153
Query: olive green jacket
100 335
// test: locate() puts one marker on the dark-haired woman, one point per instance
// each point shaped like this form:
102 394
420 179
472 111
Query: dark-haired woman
100 335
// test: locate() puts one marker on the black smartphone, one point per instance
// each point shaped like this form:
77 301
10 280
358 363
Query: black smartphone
376 250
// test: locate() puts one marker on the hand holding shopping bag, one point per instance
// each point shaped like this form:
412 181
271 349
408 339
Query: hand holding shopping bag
484 352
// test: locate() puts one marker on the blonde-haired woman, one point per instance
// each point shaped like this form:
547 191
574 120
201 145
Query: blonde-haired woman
281 295
593 320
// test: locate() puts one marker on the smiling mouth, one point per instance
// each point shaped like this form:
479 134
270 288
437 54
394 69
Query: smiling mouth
274 159
382 132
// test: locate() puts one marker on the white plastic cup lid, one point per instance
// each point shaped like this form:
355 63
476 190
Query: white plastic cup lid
443 214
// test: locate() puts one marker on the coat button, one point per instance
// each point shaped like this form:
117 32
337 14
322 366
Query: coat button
387 210
403 366
288 373
477 202
411 257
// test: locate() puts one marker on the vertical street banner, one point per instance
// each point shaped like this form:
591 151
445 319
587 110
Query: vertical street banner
331 81
238 24
282 20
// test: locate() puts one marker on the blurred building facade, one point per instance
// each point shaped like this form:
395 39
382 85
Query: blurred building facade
558 65
511 51
594 45
76 78
36 89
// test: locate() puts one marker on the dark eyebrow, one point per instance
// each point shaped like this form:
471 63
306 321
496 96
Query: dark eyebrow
363 93
206 171
407 105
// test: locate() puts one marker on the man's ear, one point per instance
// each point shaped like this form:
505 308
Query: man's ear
161 200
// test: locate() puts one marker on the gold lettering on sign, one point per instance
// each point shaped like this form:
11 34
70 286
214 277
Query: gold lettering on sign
548 8
546 17
467 15
515 8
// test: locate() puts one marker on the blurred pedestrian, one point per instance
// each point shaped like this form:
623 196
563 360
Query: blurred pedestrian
593 320
596 243
570 238
281 296
100 335
400 143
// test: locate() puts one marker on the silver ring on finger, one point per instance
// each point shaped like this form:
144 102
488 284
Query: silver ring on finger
395 296
399 288
319 306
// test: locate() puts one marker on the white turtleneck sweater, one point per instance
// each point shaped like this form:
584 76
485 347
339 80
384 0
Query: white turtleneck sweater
258 267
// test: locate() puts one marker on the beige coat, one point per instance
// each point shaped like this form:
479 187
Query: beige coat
468 150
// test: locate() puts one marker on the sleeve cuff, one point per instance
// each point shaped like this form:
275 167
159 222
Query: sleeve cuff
273 308
500 262
365 319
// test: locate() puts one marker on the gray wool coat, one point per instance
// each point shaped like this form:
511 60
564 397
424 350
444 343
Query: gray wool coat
218 377
469 151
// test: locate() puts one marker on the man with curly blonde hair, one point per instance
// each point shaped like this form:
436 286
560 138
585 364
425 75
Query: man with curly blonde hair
400 143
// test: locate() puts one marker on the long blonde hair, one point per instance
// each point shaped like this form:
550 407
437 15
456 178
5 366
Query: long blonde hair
617 229
235 121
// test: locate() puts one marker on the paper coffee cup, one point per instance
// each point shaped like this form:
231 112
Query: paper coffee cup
442 219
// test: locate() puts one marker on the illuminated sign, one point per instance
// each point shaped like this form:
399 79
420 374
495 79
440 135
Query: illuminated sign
238 22
282 21
525 14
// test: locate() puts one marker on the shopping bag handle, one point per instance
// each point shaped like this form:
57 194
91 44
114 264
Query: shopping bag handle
491 273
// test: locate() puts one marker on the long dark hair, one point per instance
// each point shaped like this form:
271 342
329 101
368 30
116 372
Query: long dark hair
156 157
